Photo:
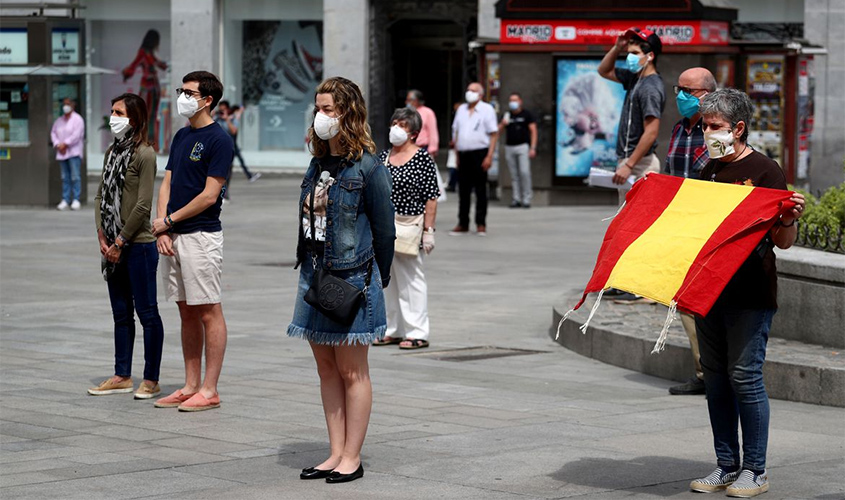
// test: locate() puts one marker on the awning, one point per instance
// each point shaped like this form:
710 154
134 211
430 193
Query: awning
50 70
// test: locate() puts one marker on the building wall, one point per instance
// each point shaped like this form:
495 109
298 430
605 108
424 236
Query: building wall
824 24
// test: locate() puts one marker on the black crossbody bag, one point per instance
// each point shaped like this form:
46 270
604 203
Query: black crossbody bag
334 297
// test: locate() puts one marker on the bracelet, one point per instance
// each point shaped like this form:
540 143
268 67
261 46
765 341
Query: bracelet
168 221
781 224
122 241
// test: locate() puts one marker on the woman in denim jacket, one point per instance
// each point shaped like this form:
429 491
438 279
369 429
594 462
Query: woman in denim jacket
353 224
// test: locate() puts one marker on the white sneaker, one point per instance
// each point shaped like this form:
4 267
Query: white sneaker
748 485
75 205
62 206
255 177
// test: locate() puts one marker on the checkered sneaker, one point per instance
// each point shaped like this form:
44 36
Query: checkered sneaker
716 481
749 485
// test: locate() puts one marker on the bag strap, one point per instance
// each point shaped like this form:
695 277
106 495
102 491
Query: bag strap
312 220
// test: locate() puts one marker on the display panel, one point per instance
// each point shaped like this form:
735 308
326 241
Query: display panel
587 118
764 85
282 66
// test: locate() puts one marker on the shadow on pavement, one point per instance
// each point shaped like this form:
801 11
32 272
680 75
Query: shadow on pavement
662 476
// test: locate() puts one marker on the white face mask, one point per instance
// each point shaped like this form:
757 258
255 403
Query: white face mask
119 125
398 136
325 126
187 106
719 143
471 96
66 109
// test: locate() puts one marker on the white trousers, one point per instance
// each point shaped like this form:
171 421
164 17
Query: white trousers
406 299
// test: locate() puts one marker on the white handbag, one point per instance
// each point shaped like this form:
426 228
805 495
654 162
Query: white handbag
409 231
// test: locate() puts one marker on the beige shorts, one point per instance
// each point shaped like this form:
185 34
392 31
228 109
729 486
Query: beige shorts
648 163
193 274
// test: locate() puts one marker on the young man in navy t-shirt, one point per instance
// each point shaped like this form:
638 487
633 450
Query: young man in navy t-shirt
190 237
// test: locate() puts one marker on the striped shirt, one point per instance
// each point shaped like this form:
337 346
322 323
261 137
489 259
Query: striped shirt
687 152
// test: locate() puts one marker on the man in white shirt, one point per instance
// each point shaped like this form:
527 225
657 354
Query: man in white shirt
474 134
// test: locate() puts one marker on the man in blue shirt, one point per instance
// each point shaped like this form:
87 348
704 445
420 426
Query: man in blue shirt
190 237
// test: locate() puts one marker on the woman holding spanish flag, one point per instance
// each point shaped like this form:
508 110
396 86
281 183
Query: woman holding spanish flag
732 337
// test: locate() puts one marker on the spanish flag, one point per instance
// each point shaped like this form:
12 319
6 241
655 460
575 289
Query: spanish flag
679 241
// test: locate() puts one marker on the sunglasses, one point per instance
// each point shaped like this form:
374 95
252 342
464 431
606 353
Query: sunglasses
688 90
188 92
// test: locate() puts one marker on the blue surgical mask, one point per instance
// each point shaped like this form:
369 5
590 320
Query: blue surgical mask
513 105
633 63
687 104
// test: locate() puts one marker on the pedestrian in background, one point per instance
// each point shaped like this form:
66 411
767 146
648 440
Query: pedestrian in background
68 137
474 134
190 236
414 195
687 156
733 336
349 233
429 137
639 122
129 257
229 121
520 149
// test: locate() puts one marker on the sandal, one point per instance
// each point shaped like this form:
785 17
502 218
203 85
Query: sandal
388 341
413 344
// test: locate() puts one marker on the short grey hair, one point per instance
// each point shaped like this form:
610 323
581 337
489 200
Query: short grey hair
411 118
730 104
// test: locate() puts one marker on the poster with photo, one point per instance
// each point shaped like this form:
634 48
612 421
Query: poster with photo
282 66
587 117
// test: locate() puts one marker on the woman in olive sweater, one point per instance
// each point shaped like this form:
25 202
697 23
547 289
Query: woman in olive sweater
128 248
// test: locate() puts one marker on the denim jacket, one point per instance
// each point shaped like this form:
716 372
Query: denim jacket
359 216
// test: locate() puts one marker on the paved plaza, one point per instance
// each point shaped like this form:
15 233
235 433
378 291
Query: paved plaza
447 422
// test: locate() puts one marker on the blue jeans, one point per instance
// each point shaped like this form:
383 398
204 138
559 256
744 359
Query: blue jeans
71 178
132 288
733 348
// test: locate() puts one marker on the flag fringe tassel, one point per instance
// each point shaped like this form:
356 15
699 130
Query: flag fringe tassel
595 308
564 318
614 215
664 333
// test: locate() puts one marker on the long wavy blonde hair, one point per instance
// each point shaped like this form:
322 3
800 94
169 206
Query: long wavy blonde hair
355 136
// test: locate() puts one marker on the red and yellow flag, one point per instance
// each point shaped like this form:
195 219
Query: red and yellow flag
679 241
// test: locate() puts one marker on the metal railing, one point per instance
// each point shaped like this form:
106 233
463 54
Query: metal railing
829 239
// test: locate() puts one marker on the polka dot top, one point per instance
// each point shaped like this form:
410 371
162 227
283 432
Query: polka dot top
414 183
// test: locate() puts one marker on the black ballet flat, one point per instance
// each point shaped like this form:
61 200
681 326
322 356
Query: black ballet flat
314 473
337 477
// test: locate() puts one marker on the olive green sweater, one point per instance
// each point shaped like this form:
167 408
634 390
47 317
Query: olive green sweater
137 200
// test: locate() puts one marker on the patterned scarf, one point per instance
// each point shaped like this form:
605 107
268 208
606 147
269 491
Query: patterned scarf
114 173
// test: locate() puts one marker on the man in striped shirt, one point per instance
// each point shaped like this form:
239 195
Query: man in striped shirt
687 156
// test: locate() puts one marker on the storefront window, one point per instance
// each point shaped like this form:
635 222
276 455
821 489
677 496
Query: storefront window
282 66
14 112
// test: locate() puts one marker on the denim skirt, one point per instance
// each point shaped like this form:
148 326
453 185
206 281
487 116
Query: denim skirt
310 324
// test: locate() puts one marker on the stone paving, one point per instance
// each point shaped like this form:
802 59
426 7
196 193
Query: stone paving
547 424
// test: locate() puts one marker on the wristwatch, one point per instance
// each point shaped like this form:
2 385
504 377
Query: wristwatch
429 230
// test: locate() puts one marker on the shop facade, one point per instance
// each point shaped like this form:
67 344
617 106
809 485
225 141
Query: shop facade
42 62
562 47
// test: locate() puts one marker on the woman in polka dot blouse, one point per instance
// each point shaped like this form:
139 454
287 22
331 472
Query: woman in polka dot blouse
415 193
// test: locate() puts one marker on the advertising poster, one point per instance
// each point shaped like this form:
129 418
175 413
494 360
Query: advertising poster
283 64
14 46
587 116
65 46
139 53
765 88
